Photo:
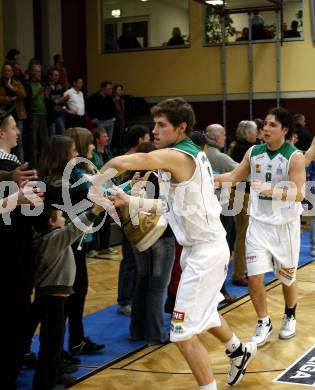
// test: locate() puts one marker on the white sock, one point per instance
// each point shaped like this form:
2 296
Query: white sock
233 344
210 386
264 320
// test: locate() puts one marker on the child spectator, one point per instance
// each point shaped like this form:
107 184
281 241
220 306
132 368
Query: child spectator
54 277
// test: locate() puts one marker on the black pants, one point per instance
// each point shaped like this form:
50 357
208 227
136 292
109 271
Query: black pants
49 310
102 236
74 121
16 307
76 301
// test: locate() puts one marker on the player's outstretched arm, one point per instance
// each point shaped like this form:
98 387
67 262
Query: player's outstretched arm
239 173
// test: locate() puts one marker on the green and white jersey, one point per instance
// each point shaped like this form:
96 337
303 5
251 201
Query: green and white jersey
272 166
193 208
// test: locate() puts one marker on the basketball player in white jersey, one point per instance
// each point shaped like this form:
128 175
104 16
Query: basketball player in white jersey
193 212
277 171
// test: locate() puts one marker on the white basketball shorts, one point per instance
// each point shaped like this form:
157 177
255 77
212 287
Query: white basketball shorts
204 269
273 248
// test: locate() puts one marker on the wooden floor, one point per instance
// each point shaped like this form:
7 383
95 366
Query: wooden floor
162 367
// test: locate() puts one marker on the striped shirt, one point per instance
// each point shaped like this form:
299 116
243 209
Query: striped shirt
8 156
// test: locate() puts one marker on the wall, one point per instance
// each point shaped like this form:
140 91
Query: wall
196 71
18 28
2 55
162 17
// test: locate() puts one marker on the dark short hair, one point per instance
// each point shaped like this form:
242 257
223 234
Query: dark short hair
105 83
76 79
284 117
145 147
97 133
199 139
177 111
41 222
297 117
294 24
56 58
5 114
259 122
11 54
134 133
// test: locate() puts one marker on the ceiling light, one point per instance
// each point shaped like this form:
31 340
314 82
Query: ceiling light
116 13
215 2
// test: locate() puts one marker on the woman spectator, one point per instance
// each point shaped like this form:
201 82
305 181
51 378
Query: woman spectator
120 125
79 141
154 267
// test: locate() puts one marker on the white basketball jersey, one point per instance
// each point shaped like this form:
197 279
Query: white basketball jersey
193 208
273 167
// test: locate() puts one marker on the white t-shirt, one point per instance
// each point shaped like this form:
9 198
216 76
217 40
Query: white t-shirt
76 101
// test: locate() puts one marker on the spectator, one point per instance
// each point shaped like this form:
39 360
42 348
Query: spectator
304 136
55 271
176 38
75 111
154 267
260 126
78 342
244 36
13 92
120 124
246 134
13 55
128 39
136 135
293 32
37 100
99 246
101 109
60 66
57 100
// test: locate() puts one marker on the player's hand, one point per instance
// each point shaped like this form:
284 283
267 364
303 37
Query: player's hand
21 174
262 188
30 194
119 198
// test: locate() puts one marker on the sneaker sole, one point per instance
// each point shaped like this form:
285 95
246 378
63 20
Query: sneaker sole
265 341
242 373
288 337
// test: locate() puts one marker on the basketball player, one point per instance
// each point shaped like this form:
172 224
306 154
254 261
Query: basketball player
193 212
277 172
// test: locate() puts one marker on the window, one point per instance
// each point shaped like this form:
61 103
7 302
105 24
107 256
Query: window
259 15
144 24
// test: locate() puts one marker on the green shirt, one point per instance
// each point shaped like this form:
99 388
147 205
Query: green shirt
38 100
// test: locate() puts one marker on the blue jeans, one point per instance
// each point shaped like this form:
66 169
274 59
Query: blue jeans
127 274
154 271
107 124
57 127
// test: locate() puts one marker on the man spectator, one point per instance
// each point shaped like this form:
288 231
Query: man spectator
128 39
303 134
13 92
293 32
59 64
75 111
221 163
37 113
101 109
57 100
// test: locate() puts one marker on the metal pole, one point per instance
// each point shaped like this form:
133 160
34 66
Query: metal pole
223 72
250 67
278 58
